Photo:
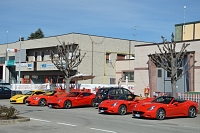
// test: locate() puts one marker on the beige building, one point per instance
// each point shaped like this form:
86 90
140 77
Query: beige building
146 73
108 59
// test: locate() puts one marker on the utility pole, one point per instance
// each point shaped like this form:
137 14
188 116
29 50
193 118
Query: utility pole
19 62
184 20
6 59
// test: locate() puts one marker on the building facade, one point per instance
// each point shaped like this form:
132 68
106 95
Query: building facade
158 80
108 59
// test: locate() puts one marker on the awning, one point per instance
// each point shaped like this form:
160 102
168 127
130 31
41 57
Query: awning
81 77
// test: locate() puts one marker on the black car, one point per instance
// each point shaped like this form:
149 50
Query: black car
109 93
6 93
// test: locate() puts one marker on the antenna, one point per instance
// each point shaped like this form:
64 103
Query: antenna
184 20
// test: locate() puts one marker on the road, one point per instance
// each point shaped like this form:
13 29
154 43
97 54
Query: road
88 120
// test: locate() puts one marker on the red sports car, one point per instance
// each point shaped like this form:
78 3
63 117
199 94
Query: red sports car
73 99
121 105
41 100
165 107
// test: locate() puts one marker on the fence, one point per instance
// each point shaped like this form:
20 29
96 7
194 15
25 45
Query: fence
193 96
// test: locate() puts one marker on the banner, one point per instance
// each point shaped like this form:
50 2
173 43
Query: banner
11 50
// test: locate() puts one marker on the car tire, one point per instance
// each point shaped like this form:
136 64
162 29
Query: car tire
122 110
191 112
160 114
24 101
93 103
67 104
42 102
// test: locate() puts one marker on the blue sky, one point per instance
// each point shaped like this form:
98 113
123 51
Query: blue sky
142 20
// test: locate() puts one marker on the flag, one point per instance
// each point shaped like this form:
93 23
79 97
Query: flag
11 50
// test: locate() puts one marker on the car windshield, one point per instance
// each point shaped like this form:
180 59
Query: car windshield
162 99
73 94
29 93
125 97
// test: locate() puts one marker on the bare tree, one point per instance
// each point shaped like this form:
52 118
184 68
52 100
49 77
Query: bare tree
68 57
171 61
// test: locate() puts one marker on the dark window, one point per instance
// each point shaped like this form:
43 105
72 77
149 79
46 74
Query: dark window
159 73
120 57
107 57
179 72
126 91
130 75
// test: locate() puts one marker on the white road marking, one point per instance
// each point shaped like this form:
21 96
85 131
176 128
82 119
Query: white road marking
66 124
103 130
39 120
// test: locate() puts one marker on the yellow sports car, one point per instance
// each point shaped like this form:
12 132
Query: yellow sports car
21 98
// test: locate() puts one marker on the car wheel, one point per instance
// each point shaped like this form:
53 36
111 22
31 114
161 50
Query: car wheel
160 114
42 102
24 101
122 110
27 104
67 104
93 103
191 112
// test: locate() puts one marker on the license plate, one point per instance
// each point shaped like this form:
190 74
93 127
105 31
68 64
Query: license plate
101 111
137 115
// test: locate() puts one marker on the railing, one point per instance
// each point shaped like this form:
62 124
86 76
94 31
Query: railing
190 96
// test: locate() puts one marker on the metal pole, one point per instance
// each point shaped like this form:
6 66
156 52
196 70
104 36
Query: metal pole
19 62
92 61
184 20
6 57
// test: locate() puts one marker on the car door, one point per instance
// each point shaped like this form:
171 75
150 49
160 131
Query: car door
82 99
6 92
130 102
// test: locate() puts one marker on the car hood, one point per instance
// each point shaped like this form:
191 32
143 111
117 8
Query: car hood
18 95
147 105
109 102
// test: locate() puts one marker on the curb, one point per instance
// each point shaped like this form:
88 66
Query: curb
13 121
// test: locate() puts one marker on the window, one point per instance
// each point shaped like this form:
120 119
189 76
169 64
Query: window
130 75
126 91
179 72
42 55
35 55
107 57
120 57
159 73
2 60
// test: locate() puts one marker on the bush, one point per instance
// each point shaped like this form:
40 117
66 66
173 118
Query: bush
8 112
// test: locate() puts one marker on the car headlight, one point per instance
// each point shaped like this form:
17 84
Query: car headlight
135 106
114 104
35 98
151 108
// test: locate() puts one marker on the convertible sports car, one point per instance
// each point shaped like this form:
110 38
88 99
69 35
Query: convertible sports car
41 100
165 107
122 105
21 98
72 99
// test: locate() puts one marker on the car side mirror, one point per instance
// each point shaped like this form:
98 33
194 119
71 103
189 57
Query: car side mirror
175 103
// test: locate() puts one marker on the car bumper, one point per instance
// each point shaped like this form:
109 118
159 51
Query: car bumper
16 101
31 102
111 110
142 113
54 105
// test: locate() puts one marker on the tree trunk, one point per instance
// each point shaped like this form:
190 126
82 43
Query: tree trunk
67 84
174 89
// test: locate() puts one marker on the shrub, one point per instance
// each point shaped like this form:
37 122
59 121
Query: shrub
8 112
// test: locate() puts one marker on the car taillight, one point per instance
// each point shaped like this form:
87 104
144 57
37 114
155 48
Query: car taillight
108 96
